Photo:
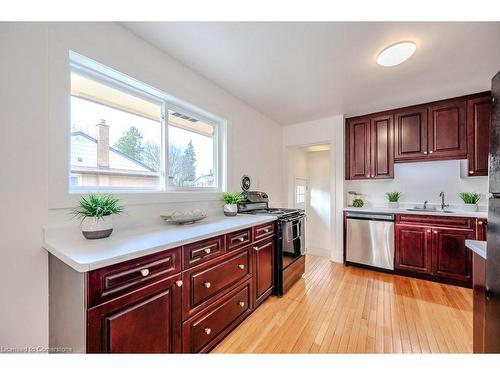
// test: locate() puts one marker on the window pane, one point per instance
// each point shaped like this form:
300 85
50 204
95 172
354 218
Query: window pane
116 137
190 152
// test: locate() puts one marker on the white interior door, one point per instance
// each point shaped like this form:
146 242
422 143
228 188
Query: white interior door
300 193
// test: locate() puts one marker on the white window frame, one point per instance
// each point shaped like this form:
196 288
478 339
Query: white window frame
102 74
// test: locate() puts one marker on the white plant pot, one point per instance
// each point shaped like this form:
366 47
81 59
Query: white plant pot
94 228
470 207
393 204
230 209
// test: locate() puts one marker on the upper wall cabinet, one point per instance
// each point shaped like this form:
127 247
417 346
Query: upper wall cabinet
478 127
444 130
371 148
447 132
411 134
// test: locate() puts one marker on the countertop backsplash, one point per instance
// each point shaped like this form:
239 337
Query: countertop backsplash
419 182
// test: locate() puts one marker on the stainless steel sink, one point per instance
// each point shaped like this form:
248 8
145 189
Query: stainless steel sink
429 210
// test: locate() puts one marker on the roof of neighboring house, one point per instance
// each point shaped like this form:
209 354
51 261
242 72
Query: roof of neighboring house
84 157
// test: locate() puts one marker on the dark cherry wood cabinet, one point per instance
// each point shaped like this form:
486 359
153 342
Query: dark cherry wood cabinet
358 133
184 299
145 321
370 142
413 249
478 129
450 258
448 129
410 134
264 270
433 247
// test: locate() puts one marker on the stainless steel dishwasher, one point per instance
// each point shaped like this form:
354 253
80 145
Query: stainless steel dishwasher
370 239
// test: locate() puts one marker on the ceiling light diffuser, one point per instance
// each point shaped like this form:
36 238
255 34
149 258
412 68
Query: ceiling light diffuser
395 54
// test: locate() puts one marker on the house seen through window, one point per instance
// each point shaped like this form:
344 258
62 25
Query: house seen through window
124 139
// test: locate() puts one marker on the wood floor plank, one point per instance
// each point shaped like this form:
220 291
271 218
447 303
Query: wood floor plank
340 309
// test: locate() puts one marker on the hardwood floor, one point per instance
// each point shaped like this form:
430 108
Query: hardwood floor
339 309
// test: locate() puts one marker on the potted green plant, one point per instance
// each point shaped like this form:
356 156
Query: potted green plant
95 212
231 201
393 197
470 201
358 203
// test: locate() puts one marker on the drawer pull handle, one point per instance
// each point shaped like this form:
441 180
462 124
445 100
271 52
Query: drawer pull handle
207 250
241 239
266 230
179 282
241 303
145 272
241 266
207 284
480 222
207 331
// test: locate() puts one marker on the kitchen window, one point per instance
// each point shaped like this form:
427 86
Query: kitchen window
126 136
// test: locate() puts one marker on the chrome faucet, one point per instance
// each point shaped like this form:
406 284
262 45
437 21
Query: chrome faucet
443 206
425 205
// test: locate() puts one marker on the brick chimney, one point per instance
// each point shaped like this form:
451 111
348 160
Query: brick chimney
102 144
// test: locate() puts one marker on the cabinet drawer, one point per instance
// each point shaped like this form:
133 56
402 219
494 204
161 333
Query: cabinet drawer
262 231
202 251
205 284
203 331
432 221
237 239
113 281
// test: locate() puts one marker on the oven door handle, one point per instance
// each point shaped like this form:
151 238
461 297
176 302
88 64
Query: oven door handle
295 218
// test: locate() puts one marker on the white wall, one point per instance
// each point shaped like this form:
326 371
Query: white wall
420 182
325 131
34 110
319 237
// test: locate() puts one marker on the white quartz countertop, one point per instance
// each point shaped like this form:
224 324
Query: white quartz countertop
478 214
479 247
86 255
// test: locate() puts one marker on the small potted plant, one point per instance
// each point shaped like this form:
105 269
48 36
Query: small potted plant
470 201
393 197
96 212
231 201
358 203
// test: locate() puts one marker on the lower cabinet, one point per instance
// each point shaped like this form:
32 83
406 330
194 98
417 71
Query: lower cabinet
450 258
436 251
204 330
263 270
145 321
413 249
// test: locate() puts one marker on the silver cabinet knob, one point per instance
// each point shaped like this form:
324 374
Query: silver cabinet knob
207 284
241 239
435 232
179 282
471 172
428 231
145 272
207 330
480 222
266 230
430 152
425 152
241 303
241 266
256 248
207 250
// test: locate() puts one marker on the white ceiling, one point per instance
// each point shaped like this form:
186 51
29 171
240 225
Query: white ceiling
295 72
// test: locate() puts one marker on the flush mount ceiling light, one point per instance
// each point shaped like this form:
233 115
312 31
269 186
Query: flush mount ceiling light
396 53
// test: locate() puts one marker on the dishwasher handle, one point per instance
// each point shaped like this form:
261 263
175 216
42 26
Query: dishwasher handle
370 216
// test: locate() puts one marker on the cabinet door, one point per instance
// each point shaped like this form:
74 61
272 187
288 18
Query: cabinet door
382 147
410 134
359 149
145 321
450 258
478 135
263 270
447 130
413 249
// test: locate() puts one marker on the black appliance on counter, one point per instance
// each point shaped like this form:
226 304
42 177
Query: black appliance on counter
290 239
492 311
